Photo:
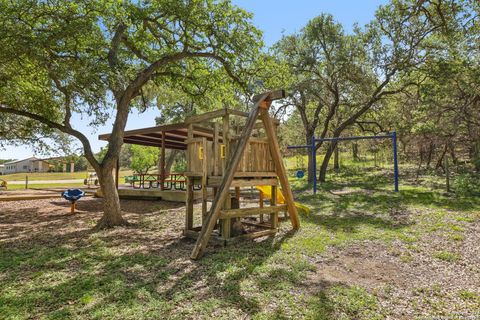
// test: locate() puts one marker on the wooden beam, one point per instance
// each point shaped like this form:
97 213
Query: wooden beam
204 178
189 198
255 174
226 140
260 203
274 215
158 136
155 143
226 224
206 116
217 181
221 196
237 113
280 168
272 95
166 127
245 212
216 149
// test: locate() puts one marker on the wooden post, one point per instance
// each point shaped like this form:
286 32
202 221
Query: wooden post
221 196
189 204
280 168
162 163
237 194
260 202
273 202
72 208
26 182
226 141
227 223
204 178
216 150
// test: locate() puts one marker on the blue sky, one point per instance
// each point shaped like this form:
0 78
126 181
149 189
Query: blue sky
274 18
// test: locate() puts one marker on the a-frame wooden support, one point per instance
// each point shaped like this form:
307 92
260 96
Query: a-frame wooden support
262 103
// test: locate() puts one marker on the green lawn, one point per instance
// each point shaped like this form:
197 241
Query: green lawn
43 186
143 272
53 175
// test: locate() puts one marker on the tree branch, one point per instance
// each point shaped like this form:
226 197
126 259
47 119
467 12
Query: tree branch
69 130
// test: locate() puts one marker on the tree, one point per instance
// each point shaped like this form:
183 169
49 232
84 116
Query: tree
143 158
95 58
440 116
340 77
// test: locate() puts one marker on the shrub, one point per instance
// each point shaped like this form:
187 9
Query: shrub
467 184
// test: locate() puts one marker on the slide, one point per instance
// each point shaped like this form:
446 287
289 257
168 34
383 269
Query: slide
267 193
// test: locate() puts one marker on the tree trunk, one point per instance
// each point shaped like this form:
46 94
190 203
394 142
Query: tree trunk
431 150
170 160
112 214
328 155
475 158
336 160
355 151
308 139
441 161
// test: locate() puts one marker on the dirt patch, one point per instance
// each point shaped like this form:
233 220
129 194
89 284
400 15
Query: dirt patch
50 219
356 266
348 191
409 281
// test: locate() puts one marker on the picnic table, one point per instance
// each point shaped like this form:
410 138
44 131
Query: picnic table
171 181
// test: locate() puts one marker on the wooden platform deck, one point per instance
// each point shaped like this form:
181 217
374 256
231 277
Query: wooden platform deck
152 194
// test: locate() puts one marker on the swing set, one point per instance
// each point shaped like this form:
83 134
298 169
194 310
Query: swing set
313 150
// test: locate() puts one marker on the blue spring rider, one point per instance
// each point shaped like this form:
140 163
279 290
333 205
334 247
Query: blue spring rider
73 195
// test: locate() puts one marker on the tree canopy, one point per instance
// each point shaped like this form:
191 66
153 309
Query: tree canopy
97 58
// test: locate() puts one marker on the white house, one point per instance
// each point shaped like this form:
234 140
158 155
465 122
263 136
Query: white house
2 169
31 164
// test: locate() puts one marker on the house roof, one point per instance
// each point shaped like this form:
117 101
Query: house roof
16 161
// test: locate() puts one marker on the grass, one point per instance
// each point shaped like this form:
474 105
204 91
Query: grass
53 175
135 273
43 186
446 256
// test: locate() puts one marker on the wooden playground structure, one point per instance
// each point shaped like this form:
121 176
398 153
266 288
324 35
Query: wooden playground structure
226 150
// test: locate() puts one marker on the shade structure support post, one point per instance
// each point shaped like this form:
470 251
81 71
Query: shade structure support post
162 163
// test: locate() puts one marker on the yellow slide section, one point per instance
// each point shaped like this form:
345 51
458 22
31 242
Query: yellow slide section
267 193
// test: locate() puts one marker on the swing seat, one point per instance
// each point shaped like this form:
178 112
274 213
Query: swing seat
73 195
